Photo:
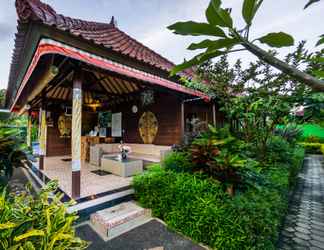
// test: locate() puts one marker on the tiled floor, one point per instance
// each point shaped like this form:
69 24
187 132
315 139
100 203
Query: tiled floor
304 224
56 168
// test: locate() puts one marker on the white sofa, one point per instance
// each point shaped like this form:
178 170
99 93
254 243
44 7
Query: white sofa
145 152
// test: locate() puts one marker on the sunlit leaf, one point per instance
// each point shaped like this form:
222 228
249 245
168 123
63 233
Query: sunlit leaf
196 29
277 40
320 41
212 45
198 59
218 16
250 8
31 233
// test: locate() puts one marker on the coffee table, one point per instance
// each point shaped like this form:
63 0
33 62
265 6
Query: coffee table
123 168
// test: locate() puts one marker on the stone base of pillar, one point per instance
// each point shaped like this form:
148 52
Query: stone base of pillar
76 176
41 162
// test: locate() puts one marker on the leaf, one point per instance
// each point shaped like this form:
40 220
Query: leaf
198 59
7 225
212 45
31 233
320 41
318 73
310 3
218 16
277 40
250 7
196 29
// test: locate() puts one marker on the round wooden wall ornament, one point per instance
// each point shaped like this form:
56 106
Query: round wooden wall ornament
148 127
64 125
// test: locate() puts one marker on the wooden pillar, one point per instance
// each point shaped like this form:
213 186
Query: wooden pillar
29 130
214 115
182 121
76 134
42 136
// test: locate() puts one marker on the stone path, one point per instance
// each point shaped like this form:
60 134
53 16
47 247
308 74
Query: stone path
304 224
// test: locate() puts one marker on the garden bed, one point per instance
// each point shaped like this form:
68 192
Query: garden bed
199 208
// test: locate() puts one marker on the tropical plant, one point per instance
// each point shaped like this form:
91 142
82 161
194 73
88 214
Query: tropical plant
226 37
37 222
12 154
290 133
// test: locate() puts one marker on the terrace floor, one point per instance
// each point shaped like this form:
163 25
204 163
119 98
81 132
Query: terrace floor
59 168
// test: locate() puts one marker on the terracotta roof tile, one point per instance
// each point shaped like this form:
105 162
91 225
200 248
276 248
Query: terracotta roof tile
106 34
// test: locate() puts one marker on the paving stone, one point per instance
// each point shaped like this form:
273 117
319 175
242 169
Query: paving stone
302 236
304 224
318 244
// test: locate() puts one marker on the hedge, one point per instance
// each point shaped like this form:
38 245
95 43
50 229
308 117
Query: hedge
201 210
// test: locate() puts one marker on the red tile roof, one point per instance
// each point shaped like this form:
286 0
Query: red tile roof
106 34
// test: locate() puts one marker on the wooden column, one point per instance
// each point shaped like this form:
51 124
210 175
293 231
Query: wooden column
214 115
76 134
182 121
29 130
42 136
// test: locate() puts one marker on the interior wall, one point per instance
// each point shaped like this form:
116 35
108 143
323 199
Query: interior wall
167 111
56 145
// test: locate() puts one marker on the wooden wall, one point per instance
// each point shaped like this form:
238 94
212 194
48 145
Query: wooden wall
55 145
167 111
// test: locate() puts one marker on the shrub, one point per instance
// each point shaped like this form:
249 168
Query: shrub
178 162
290 133
313 148
39 222
200 209
278 150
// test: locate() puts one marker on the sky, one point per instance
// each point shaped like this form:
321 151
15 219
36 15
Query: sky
146 21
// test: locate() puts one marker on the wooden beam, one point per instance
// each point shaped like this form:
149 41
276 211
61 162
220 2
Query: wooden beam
214 115
47 76
182 117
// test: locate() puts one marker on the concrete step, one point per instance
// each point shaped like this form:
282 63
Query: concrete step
114 221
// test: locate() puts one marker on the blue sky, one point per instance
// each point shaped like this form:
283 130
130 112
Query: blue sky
146 20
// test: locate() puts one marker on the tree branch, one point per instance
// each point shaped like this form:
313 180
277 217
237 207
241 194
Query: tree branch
305 78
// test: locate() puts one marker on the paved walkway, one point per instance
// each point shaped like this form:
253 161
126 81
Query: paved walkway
304 224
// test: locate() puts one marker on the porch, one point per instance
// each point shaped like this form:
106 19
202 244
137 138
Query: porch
59 168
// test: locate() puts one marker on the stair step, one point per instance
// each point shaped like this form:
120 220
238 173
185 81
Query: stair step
114 221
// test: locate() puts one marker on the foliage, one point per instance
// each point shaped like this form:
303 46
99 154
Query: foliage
39 222
198 207
291 133
312 130
12 154
313 147
278 150
230 39
178 162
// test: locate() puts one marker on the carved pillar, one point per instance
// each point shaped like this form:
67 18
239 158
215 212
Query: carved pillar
29 130
76 133
42 136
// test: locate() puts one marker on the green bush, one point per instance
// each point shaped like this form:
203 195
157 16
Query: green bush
178 162
200 209
313 148
278 150
39 222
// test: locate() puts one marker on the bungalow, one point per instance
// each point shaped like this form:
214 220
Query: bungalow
92 86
